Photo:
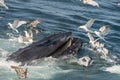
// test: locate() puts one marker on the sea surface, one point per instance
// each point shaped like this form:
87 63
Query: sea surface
62 16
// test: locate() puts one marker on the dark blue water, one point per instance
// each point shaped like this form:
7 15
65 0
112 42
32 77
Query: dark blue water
62 16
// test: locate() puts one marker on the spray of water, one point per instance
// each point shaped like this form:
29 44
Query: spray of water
113 69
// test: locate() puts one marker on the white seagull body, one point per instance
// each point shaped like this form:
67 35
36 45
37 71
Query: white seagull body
2 3
16 24
90 2
87 26
103 31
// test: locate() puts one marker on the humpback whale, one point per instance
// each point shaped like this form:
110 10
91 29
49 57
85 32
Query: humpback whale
55 45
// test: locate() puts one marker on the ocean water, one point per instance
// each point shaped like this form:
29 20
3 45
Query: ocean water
62 16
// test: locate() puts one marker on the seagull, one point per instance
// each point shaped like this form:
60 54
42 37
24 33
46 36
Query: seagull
2 3
20 71
103 31
34 24
90 2
85 61
16 24
28 38
87 26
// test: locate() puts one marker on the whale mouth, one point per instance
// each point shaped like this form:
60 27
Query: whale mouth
67 48
55 45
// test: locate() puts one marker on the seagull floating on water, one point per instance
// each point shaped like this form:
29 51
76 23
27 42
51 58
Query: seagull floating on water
28 38
16 24
103 31
90 2
3 4
87 26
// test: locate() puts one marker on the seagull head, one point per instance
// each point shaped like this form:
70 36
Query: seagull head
10 25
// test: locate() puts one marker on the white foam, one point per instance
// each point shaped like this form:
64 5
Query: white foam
113 69
3 53
46 69
7 64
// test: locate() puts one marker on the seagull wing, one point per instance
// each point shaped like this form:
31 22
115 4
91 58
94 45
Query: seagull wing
90 23
15 23
27 34
21 23
93 3
107 30
104 30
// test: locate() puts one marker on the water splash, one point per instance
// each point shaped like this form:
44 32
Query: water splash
113 69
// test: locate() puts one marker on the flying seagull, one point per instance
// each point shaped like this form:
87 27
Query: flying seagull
103 31
16 24
87 26
90 2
